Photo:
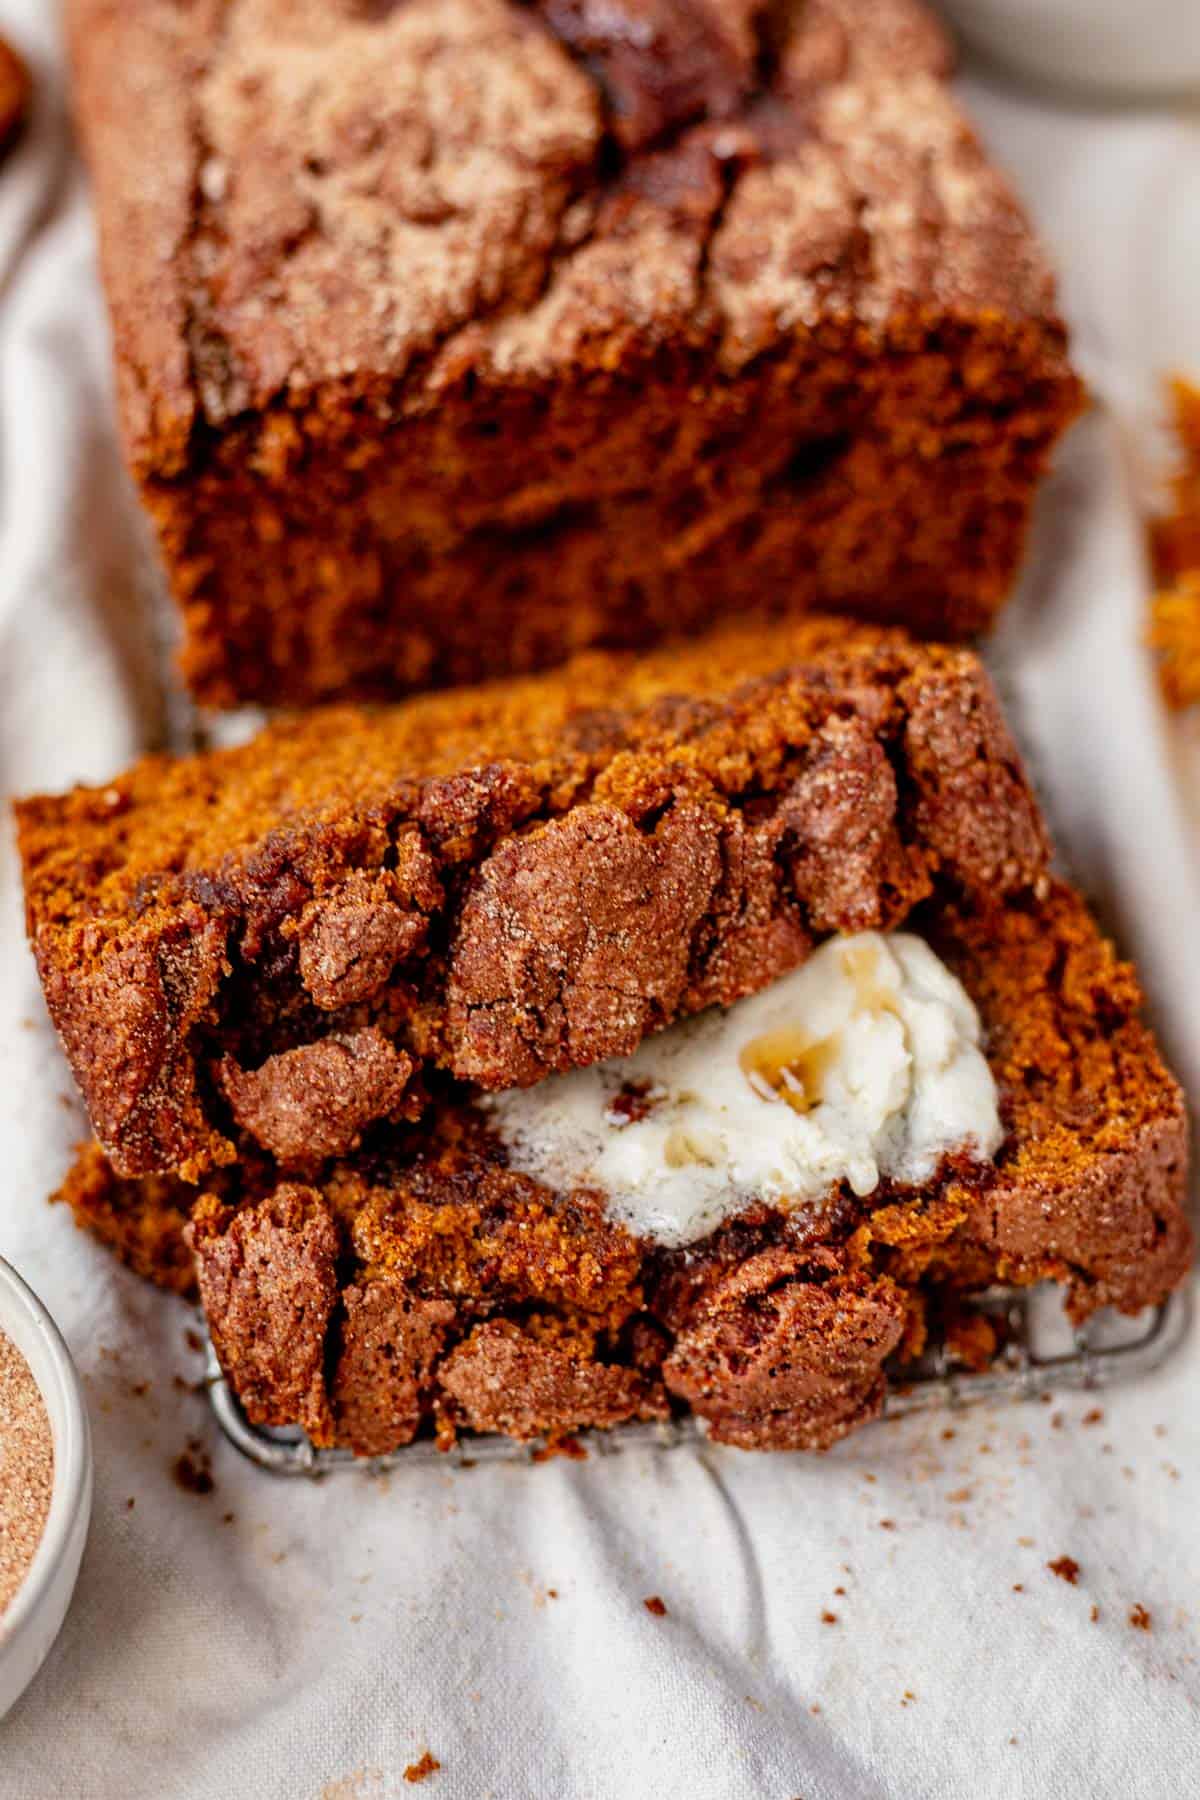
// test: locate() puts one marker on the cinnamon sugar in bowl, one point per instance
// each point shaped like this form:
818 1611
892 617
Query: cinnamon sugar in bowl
45 1483
26 1469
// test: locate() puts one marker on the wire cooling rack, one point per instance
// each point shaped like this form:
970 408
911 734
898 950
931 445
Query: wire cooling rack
1041 1351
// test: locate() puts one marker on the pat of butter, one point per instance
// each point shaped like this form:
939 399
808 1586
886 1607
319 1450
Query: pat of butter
865 1062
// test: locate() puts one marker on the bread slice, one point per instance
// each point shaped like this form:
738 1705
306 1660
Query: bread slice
423 1285
289 940
454 336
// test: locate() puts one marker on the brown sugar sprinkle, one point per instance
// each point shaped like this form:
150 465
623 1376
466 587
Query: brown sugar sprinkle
1066 1568
632 1103
422 1769
1139 1617
26 1469
1175 553
653 1604
1094 1416
829 1618
191 1471
569 1447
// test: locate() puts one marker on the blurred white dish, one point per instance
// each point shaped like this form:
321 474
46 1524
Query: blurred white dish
1111 47
34 1617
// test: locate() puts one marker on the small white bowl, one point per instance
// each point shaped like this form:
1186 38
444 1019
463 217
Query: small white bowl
35 1614
1110 48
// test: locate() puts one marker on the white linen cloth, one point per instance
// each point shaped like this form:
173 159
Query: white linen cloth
305 1641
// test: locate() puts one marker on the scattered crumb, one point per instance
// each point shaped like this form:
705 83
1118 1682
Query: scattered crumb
552 1593
191 1470
569 1447
1160 1431
1093 1416
1026 1543
227 1518
829 1618
907 1697
887 1524
756 1704
131 1503
1066 1568
959 1496
1139 1617
193 1340
1175 553
653 1603
1056 1421
1018 1587
815 1708
139 1388
422 1770
948 1434
1094 1614
839 1590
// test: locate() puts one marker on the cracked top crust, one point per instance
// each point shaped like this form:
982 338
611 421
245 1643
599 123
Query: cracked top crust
446 1287
503 881
389 198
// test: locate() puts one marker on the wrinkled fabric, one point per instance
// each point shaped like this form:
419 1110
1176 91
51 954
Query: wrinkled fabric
880 1622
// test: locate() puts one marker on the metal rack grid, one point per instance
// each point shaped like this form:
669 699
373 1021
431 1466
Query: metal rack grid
1042 1351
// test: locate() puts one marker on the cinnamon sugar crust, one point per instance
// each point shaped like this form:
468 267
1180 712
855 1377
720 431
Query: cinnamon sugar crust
456 335
469 1297
291 938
